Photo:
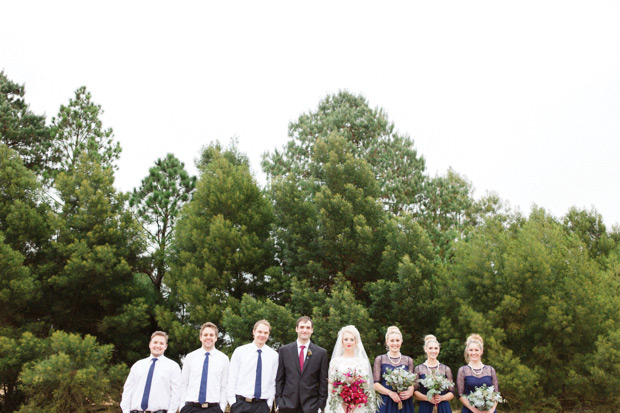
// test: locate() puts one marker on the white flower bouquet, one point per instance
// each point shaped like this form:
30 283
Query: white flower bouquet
484 397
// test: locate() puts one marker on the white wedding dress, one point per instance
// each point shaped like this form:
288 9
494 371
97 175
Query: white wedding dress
342 364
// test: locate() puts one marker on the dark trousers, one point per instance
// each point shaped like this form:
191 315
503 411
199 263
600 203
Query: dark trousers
210 409
241 406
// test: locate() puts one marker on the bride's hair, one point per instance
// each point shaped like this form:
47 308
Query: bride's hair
350 329
359 347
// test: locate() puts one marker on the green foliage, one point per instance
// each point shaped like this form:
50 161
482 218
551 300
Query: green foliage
95 251
331 222
15 352
446 210
77 130
75 376
394 162
540 300
23 215
158 202
240 324
22 130
223 247
341 308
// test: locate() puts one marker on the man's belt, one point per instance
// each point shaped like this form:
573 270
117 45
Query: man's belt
149 411
203 405
250 400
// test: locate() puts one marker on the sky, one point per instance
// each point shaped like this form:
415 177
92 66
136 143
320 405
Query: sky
522 98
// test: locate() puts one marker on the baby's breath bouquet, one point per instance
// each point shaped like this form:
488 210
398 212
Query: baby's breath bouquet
484 398
400 380
436 384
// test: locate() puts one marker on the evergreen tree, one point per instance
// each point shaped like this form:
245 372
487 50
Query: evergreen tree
223 248
91 280
394 162
78 129
21 129
158 202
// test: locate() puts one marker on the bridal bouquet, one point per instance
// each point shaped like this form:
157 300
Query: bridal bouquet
484 398
351 388
400 380
436 384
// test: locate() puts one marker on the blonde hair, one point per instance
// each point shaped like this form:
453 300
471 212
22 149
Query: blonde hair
473 339
393 330
430 338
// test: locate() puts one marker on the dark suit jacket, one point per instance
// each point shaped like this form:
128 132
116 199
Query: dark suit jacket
301 390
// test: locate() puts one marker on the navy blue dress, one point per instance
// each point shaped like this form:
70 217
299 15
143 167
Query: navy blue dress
382 365
427 407
467 381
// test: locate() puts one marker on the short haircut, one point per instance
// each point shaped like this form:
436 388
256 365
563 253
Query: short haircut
209 325
304 318
265 322
160 333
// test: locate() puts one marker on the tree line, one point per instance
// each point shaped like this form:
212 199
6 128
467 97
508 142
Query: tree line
349 229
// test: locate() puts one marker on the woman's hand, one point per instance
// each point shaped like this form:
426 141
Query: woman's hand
404 395
394 396
436 399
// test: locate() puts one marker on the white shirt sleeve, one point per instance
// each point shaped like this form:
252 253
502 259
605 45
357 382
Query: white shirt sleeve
233 374
128 390
175 388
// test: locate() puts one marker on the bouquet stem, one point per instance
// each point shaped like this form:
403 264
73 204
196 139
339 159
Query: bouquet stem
400 405
434 408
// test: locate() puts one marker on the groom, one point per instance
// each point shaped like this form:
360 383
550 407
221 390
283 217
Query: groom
301 380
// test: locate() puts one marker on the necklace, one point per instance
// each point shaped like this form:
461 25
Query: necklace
478 372
431 367
395 363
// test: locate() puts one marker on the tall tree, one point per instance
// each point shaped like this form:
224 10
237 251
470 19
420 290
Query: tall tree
21 129
158 202
78 129
222 244
330 222
24 234
92 279
392 158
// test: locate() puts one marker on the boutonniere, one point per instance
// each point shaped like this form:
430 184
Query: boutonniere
309 353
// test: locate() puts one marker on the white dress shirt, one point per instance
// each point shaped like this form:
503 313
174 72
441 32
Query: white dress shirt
165 385
216 379
305 350
242 373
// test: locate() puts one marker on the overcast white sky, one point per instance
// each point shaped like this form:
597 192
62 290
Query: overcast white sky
522 98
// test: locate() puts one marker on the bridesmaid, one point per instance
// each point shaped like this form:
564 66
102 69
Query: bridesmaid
387 362
431 348
474 374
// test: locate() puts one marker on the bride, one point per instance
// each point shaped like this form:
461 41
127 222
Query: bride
349 356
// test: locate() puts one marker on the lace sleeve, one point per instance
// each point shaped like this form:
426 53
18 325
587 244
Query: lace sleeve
410 364
494 379
376 370
450 377
416 371
460 381
332 369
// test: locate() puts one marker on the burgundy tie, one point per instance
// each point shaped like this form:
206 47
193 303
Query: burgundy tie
301 358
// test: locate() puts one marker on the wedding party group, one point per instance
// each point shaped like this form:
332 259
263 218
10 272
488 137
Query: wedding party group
301 378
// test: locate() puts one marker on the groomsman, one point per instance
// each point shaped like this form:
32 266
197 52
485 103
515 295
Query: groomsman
153 383
301 381
204 375
252 374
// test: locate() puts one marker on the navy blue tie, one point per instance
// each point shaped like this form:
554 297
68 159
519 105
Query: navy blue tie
202 394
147 386
259 375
